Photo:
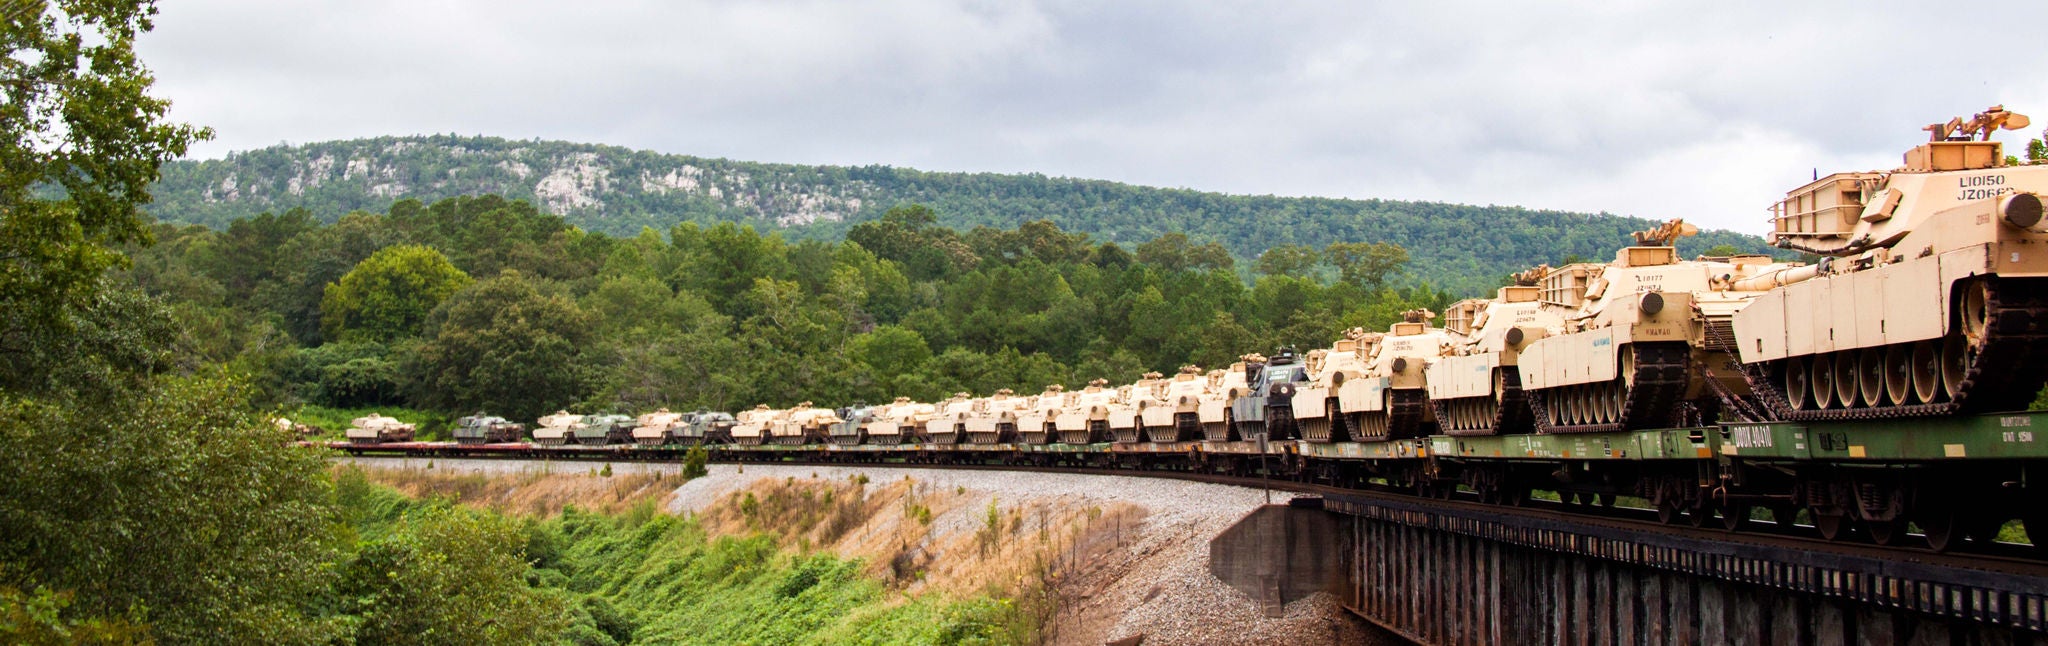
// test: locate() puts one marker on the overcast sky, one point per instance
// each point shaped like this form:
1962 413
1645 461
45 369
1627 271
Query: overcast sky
1708 112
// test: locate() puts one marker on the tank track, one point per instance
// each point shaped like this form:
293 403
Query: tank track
1510 411
1406 410
1658 383
2007 374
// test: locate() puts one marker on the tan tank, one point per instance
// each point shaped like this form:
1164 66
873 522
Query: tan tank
1387 397
1175 416
996 421
1085 419
804 425
1647 340
1224 387
1477 390
757 426
1036 423
375 429
1931 300
950 425
557 429
657 428
1125 423
901 421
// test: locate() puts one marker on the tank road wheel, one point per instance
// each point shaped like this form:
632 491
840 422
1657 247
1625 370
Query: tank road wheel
1925 369
1823 378
1617 399
1870 376
1846 371
1976 311
1316 429
1898 373
1797 382
1955 365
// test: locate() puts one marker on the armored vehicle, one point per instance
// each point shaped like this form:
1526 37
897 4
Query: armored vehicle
376 429
708 427
1319 406
1648 341
852 427
1477 390
1085 420
485 429
902 421
1037 423
600 430
1176 415
996 422
1390 399
755 427
1225 386
805 425
556 429
950 425
1265 407
660 427
1930 300
1124 422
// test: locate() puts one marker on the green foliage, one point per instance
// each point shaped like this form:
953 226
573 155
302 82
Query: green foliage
176 497
511 343
388 295
38 619
694 463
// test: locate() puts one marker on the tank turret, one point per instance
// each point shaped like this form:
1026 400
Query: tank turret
852 427
659 427
1477 389
1213 410
377 429
1647 340
600 430
950 425
708 427
487 429
901 421
804 425
755 427
1932 298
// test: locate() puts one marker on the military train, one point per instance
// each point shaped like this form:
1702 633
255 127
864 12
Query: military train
1866 394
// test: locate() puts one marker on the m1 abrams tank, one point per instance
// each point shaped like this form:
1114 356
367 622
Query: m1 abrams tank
375 429
1224 387
902 421
996 421
1319 407
600 430
1648 339
852 427
1266 405
1085 420
659 427
1477 390
1932 298
1176 415
950 425
756 426
485 429
1125 423
708 427
1037 422
1388 398
805 425
556 429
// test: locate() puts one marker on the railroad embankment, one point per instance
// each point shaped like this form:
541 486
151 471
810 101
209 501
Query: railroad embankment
1089 559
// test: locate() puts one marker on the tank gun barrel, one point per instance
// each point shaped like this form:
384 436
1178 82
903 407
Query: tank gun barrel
1779 278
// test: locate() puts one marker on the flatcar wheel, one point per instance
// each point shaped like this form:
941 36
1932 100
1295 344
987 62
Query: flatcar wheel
1797 382
1734 516
1886 532
1667 510
1785 515
1943 527
1701 513
1830 524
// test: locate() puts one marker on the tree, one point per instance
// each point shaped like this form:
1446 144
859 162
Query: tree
1288 260
388 295
449 575
511 345
1366 265
81 141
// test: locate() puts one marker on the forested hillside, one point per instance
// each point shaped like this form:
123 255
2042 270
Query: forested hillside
618 191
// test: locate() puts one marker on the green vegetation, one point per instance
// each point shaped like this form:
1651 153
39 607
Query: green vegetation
1456 247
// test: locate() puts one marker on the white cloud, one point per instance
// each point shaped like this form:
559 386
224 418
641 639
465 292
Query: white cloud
1708 112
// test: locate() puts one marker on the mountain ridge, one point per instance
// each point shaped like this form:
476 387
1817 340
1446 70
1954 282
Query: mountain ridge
618 190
